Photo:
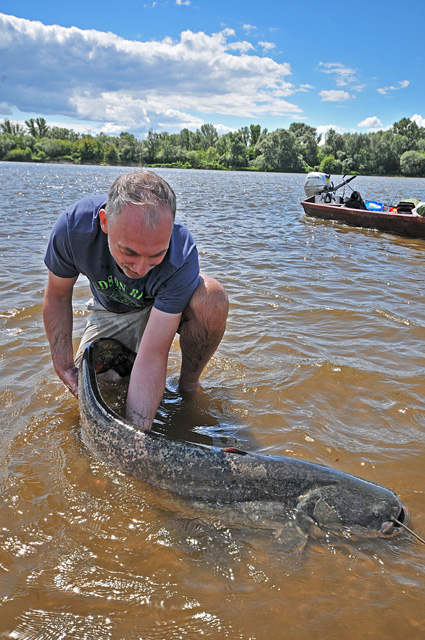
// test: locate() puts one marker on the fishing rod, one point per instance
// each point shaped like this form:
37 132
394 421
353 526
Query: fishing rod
343 183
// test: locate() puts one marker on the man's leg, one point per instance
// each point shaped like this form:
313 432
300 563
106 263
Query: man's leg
203 325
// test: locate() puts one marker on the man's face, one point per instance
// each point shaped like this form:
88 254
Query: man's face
136 249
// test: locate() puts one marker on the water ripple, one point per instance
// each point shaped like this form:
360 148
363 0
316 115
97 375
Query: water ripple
322 360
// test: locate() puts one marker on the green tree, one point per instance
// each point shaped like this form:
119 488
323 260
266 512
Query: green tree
211 159
54 148
32 127
384 160
334 142
307 141
11 128
88 149
277 151
330 164
186 139
7 143
27 141
19 155
357 147
150 147
400 144
209 136
409 129
255 130
246 135
412 163
37 127
300 129
42 127
40 157
167 149
232 150
110 154
63 133
129 148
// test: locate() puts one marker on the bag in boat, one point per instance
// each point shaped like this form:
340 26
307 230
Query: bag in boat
406 206
355 201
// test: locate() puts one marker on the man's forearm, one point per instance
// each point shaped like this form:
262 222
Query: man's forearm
147 382
146 388
57 316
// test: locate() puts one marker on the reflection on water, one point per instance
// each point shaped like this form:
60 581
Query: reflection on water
323 359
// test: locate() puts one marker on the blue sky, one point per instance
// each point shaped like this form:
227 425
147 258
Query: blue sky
169 64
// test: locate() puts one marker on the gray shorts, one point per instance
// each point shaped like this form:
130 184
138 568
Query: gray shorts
126 327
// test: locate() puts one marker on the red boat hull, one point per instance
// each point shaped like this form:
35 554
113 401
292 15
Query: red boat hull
402 224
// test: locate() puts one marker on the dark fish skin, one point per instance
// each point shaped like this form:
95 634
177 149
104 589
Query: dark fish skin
315 494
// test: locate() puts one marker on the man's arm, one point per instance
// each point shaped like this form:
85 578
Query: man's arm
57 316
147 381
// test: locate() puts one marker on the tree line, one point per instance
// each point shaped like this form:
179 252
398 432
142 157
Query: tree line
398 151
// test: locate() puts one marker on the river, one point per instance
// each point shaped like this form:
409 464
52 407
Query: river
323 359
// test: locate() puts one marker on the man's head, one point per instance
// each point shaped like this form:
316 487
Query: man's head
140 188
138 218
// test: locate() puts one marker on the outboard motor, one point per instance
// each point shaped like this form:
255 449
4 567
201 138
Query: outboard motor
319 186
317 183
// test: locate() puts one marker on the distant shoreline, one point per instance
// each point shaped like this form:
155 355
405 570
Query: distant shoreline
398 151
174 166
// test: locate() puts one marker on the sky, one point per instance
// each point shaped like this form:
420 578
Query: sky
163 65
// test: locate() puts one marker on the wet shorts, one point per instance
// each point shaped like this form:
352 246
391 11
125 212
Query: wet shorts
126 327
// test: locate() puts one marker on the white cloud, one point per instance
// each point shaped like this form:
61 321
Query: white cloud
133 85
334 95
305 88
342 75
183 2
420 121
323 130
403 84
222 129
249 27
5 109
267 46
373 122
242 46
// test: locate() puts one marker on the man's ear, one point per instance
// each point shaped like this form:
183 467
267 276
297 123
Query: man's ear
103 221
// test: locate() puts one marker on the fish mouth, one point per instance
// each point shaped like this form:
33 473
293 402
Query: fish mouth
394 525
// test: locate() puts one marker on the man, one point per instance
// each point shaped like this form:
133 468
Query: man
143 271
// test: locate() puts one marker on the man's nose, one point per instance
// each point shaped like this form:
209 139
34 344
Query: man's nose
141 266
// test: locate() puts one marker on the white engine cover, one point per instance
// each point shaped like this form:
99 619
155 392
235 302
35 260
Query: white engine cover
316 182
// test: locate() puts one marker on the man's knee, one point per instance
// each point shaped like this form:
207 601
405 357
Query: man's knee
208 301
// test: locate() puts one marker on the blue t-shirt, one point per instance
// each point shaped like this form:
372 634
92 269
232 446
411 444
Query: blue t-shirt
78 245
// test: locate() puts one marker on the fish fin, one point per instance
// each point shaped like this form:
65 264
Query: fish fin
326 515
291 537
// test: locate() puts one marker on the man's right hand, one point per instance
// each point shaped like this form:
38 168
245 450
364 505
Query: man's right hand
70 379
57 315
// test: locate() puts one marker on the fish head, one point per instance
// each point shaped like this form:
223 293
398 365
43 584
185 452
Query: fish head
108 353
356 507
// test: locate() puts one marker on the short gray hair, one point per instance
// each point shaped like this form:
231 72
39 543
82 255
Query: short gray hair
144 188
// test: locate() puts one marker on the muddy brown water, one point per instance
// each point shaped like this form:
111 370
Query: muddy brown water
323 359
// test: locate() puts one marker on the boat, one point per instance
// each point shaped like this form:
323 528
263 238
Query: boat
322 202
